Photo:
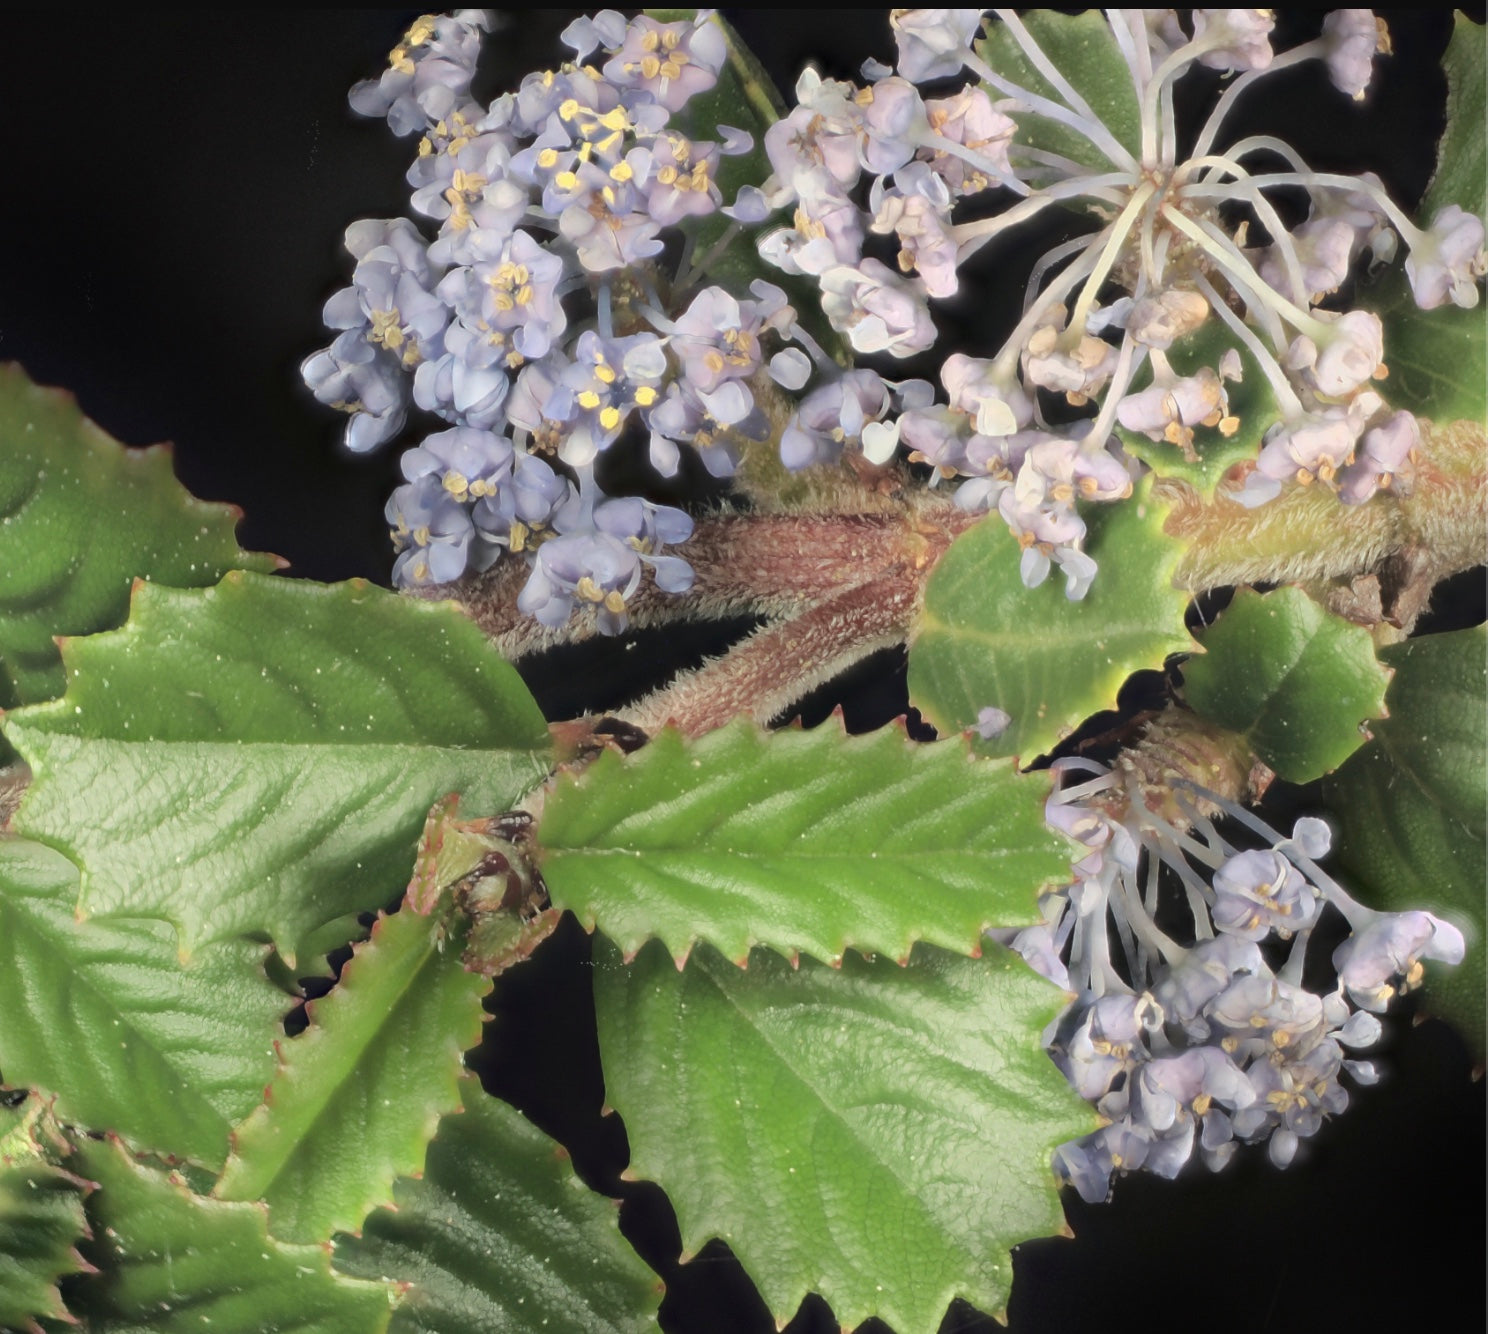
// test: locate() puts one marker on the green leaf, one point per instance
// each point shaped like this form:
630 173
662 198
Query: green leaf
258 758
1296 681
107 1016
41 1220
1251 402
359 1094
1410 806
499 1234
878 1134
81 518
1461 175
173 1262
985 640
812 842
1438 359
1083 50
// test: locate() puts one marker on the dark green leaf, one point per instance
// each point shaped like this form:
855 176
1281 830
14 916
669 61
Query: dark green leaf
1411 808
1296 681
1438 359
175 1263
985 640
811 842
41 1219
876 1133
1083 50
499 1234
107 1016
259 757
83 517
1461 175
358 1095
1251 403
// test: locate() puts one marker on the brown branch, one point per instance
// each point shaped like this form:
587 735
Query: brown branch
782 662
775 565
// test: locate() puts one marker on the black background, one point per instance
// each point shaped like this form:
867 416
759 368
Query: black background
175 192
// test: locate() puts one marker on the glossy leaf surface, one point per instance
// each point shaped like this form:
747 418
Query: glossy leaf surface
82 517
173 1262
358 1095
1410 806
1296 681
499 1234
811 842
105 1015
41 1220
259 757
876 1133
983 639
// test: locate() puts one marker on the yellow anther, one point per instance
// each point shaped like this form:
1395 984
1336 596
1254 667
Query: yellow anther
604 373
615 120
524 294
422 29
610 418
548 158
666 176
568 108
566 180
650 67
456 483
651 40
518 537
421 535
713 360
621 171
615 601
589 400
645 396
588 590
1228 426
669 39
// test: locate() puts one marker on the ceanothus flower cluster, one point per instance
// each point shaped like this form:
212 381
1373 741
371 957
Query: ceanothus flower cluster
855 162
561 309
533 323
1195 1048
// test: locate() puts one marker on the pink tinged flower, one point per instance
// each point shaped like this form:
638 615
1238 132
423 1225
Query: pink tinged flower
1159 321
671 61
997 406
1351 353
1391 947
968 118
1077 368
1351 38
1240 39
933 42
1169 410
1314 447
1386 461
926 243
1325 249
815 148
878 311
893 122
1447 262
